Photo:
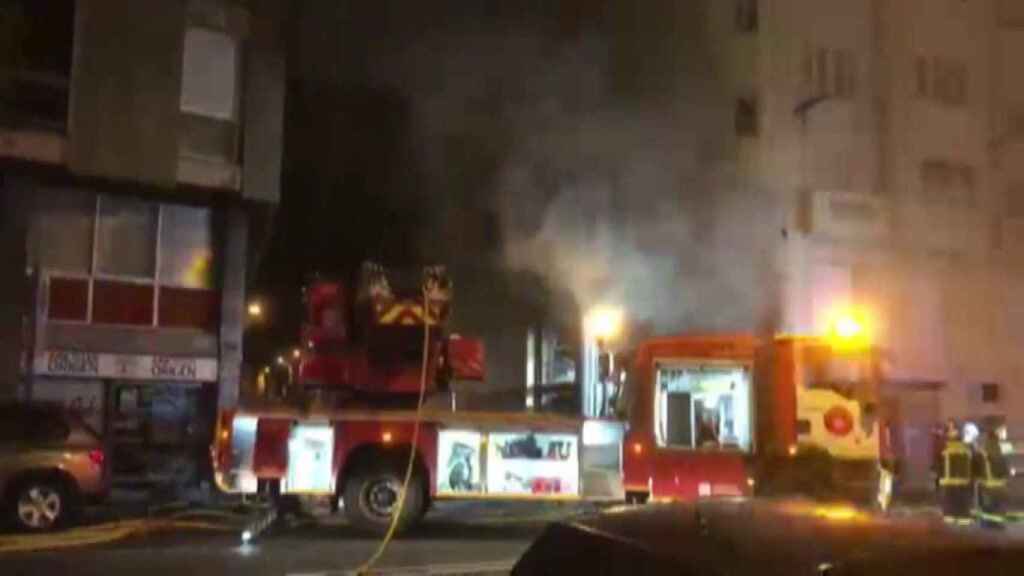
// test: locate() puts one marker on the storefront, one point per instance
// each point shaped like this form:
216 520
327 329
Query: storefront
155 412
126 324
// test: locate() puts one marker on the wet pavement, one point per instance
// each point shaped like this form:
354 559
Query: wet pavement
477 537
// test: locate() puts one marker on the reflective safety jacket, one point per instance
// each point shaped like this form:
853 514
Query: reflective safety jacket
956 464
991 469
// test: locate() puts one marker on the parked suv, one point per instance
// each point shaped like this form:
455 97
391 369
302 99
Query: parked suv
50 464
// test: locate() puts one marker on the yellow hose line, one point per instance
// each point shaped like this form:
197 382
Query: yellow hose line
367 566
98 534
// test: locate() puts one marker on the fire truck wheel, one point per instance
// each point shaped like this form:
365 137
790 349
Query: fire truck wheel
371 497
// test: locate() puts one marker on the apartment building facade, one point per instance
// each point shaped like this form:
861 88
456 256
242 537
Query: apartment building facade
138 142
888 131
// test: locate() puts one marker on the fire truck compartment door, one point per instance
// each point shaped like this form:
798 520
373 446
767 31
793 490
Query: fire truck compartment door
270 458
601 460
310 451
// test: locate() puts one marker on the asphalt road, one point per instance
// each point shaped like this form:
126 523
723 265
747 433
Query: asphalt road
324 546
463 535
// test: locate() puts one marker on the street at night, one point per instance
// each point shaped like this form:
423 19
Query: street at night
467 536
303 287
726 540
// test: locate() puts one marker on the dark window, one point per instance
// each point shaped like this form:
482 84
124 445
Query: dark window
187 308
990 393
122 303
35 61
68 299
746 16
746 117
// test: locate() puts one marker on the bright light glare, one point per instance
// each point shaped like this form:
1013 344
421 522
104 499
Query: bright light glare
296 353
255 309
246 536
838 513
603 322
848 327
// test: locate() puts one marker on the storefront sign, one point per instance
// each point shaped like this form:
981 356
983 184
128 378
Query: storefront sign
174 368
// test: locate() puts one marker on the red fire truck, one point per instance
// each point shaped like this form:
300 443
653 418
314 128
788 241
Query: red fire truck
683 424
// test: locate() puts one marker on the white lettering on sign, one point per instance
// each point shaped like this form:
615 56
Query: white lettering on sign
73 363
174 368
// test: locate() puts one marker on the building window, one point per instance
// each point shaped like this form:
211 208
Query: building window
124 261
941 80
830 72
990 393
35 63
209 75
186 241
746 16
126 237
209 95
946 183
746 117
65 242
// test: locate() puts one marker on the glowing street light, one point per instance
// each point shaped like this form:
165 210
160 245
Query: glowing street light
255 309
296 353
280 360
603 322
850 328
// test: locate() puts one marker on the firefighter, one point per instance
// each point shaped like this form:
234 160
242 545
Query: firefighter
990 477
955 478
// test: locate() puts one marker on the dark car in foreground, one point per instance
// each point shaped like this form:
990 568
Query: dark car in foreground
764 538
51 463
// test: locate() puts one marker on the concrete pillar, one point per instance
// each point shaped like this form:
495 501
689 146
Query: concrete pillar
232 305
14 288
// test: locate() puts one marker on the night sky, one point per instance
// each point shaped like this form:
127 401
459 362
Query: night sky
355 183
554 155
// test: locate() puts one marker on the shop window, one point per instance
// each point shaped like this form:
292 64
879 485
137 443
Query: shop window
122 303
60 238
185 308
186 247
126 237
706 407
122 271
68 299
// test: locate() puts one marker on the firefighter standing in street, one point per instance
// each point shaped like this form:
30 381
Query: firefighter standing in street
990 477
955 478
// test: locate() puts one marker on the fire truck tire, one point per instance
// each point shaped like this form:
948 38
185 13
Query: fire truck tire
371 497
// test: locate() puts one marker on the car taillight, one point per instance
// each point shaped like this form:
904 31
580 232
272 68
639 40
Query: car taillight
97 457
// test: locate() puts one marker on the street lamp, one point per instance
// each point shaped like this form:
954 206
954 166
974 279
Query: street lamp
600 325
255 309
603 323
